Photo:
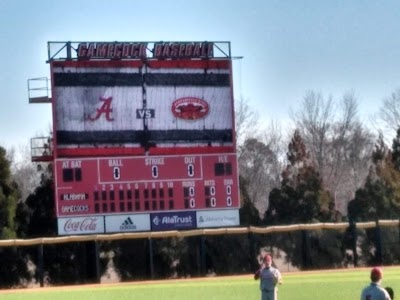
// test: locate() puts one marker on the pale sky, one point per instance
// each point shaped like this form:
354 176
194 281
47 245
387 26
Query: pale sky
288 48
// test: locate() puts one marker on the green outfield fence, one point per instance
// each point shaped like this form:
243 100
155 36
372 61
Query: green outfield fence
386 246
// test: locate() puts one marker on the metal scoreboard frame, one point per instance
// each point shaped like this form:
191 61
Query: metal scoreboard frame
143 136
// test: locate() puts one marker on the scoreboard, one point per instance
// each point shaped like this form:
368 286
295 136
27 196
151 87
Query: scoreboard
144 136
142 184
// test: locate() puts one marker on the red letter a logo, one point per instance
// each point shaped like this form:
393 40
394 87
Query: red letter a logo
104 109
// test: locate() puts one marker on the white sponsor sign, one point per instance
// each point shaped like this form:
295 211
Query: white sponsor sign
218 218
80 225
126 223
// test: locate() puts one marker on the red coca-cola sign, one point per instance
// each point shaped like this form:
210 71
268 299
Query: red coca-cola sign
75 225
190 108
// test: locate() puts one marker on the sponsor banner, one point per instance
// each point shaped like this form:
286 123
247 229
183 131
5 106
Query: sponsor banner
173 220
218 218
80 225
127 223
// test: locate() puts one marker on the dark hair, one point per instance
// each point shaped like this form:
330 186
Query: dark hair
390 292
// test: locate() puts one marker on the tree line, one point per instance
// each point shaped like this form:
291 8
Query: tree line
329 168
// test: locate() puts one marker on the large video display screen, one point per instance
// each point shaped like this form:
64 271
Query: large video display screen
160 104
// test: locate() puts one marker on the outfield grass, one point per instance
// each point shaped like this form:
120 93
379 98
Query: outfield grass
337 285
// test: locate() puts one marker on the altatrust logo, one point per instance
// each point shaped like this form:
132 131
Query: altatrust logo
173 220
156 220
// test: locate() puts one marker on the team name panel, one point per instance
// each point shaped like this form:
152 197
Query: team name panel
116 185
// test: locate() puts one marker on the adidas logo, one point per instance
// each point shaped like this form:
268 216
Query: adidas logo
127 224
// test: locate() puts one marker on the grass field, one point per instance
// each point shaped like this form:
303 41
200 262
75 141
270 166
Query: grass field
338 285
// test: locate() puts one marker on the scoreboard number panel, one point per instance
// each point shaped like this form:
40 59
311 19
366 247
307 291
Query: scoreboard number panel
117 185
149 168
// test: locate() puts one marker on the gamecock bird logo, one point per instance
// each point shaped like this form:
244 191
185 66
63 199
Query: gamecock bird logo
190 108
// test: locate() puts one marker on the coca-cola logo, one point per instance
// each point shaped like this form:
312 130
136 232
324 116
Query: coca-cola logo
190 108
83 225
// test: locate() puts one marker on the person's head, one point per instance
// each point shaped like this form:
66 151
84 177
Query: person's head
390 292
376 274
267 260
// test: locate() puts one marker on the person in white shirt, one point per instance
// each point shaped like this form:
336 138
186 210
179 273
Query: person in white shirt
269 278
374 291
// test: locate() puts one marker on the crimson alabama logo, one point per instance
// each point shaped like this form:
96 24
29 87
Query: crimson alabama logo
190 108
105 109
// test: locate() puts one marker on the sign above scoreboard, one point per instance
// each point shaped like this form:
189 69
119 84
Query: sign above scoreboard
138 50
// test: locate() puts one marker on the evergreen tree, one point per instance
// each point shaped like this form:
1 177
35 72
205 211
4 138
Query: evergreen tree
380 196
302 199
63 263
13 261
396 151
379 199
249 215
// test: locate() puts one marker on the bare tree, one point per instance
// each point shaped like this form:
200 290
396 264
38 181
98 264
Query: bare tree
314 121
390 110
388 117
24 171
339 145
260 163
258 166
273 138
246 122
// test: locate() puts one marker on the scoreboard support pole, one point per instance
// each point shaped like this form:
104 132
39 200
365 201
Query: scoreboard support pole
305 245
85 265
97 260
353 231
203 255
378 244
252 251
151 262
89 261
40 265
